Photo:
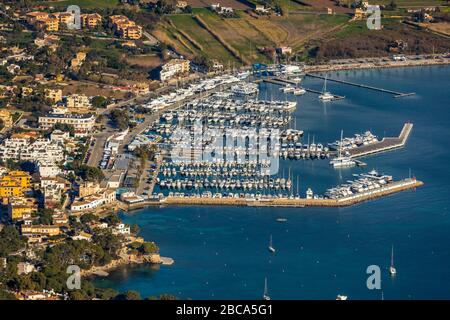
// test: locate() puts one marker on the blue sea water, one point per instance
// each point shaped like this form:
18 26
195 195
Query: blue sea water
221 252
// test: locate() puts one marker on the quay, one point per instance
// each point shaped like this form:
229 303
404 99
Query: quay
386 144
394 187
395 93
282 82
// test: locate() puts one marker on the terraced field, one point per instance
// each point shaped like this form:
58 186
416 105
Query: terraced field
245 34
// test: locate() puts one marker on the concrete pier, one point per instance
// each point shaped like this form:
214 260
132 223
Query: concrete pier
384 145
391 188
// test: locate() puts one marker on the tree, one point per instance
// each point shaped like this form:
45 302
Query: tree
89 173
10 240
149 248
129 295
99 102
88 217
65 128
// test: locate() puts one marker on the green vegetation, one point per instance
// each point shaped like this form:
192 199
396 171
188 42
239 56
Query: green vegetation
120 119
88 4
10 241
88 173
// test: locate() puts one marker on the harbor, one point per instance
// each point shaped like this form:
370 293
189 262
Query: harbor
210 136
330 243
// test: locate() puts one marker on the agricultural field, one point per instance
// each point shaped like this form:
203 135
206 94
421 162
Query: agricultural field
245 34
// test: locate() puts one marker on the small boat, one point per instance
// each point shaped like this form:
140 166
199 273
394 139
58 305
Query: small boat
266 292
281 219
299 91
392 269
341 297
326 96
271 248
287 89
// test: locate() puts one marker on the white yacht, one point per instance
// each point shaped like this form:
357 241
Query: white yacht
341 297
271 248
299 91
392 269
287 89
266 292
244 89
342 161
326 96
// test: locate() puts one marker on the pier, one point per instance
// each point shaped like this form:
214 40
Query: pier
395 93
394 187
282 82
384 145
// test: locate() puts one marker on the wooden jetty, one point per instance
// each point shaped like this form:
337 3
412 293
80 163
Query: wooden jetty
386 144
395 93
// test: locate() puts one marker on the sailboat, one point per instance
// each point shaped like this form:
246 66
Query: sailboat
266 292
326 96
342 161
392 269
271 248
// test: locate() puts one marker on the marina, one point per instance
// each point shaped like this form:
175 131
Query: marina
209 149
321 251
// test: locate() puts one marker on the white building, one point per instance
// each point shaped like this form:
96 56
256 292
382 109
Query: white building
83 123
59 136
94 201
48 169
172 68
24 149
121 229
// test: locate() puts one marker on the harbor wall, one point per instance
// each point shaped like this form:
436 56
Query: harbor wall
391 188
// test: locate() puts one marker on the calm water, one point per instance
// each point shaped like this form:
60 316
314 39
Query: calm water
221 253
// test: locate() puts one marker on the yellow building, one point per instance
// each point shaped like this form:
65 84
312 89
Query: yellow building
5 116
48 24
40 230
33 17
78 60
132 32
90 21
64 17
17 211
125 27
359 14
14 184
53 94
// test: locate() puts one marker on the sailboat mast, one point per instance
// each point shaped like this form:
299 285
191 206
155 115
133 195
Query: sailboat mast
392 256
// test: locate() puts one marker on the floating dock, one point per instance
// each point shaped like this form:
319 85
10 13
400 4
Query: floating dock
395 93
282 82
384 145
